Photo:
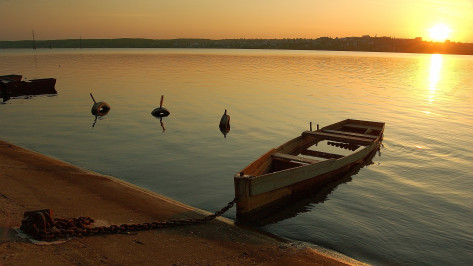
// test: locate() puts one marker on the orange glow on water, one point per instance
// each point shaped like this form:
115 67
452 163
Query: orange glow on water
435 74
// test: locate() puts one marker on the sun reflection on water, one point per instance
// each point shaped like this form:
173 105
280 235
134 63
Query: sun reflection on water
435 74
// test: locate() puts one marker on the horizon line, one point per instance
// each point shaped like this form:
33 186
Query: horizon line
241 38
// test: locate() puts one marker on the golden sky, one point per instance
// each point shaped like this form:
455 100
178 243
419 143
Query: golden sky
222 19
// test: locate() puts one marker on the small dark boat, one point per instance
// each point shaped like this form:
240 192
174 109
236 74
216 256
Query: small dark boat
14 86
301 164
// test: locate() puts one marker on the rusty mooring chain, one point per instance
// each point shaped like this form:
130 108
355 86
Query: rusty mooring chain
41 226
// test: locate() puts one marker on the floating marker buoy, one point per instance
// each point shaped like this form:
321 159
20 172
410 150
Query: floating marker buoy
100 108
225 120
160 111
225 124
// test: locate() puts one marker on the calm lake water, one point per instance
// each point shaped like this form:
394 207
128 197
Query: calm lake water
413 205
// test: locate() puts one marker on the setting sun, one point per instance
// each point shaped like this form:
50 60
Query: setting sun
439 32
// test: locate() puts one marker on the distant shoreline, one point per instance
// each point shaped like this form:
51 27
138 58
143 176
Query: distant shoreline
363 44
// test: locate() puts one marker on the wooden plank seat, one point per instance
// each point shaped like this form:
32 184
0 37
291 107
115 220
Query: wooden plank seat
363 127
289 157
338 137
350 133
321 154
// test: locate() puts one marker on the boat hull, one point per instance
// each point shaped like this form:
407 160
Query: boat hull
13 86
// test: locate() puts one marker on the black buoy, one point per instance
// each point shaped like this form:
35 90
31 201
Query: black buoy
99 108
160 111
225 124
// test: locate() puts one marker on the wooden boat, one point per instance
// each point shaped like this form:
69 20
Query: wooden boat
304 163
13 86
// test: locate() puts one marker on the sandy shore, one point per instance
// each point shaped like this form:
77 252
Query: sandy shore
31 181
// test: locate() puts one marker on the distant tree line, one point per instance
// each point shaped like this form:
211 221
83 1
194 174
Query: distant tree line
364 43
